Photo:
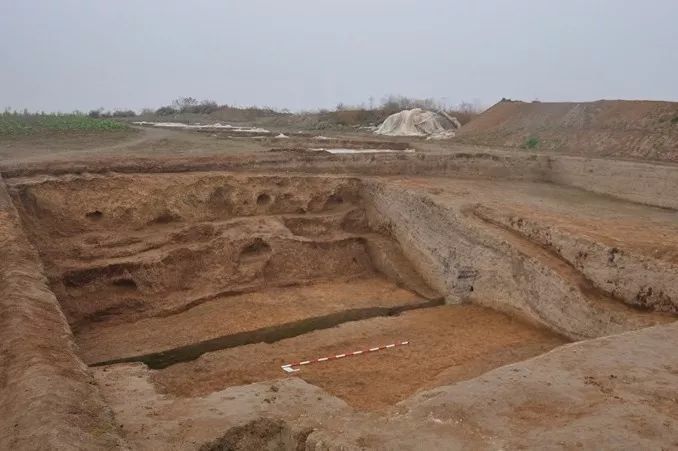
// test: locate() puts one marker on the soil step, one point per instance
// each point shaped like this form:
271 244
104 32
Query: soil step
266 315
632 259
610 315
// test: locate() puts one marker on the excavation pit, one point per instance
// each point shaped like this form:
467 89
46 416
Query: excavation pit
155 282
206 282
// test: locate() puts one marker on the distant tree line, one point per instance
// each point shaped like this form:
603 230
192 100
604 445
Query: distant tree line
394 103
100 113
388 105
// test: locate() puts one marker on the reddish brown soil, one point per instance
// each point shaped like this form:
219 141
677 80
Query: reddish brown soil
653 237
622 129
230 315
447 344
648 230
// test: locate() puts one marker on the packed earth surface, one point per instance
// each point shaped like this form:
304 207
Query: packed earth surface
200 289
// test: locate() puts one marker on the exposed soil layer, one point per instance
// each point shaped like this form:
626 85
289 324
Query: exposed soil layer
623 260
131 248
300 144
228 321
187 292
221 261
613 252
48 398
447 344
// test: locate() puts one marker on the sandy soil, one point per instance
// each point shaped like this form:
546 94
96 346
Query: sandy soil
236 316
624 249
447 344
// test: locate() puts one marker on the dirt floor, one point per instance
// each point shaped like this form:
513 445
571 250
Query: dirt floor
227 321
537 314
150 141
447 344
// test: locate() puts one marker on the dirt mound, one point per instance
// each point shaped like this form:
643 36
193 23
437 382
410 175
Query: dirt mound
610 128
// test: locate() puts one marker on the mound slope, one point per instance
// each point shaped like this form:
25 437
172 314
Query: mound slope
611 128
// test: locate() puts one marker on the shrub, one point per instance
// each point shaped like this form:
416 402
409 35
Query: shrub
124 113
532 142
205 107
165 111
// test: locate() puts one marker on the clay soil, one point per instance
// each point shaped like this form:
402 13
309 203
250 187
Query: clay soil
649 231
447 344
235 319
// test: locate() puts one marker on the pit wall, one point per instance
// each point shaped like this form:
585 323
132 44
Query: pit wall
631 276
472 163
646 183
72 205
96 276
459 258
48 399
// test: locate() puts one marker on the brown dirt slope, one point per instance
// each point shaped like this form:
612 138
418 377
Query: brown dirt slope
48 399
609 128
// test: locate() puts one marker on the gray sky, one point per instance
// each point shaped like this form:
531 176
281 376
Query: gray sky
302 54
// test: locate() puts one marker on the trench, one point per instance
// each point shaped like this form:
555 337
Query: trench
159 360
213 280
187 292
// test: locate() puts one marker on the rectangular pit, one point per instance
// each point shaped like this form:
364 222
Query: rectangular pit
215 280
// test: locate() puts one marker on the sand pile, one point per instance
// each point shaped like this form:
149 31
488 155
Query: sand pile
417 122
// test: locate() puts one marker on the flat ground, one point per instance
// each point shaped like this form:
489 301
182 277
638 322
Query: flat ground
447 344
136 141
150 142
650 231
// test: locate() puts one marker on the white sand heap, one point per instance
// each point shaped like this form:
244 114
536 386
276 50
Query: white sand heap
237 129
343 150
418 122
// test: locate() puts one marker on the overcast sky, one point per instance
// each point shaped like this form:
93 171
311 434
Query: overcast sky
303 54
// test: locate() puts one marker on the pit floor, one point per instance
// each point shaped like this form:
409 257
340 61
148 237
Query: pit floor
447 344
247 313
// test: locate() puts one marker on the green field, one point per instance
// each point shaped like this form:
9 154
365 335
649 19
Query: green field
27 124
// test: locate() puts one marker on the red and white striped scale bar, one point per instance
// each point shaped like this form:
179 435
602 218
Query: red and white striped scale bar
289 367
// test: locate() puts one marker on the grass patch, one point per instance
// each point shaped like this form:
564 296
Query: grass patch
531 143
674 120
15 124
